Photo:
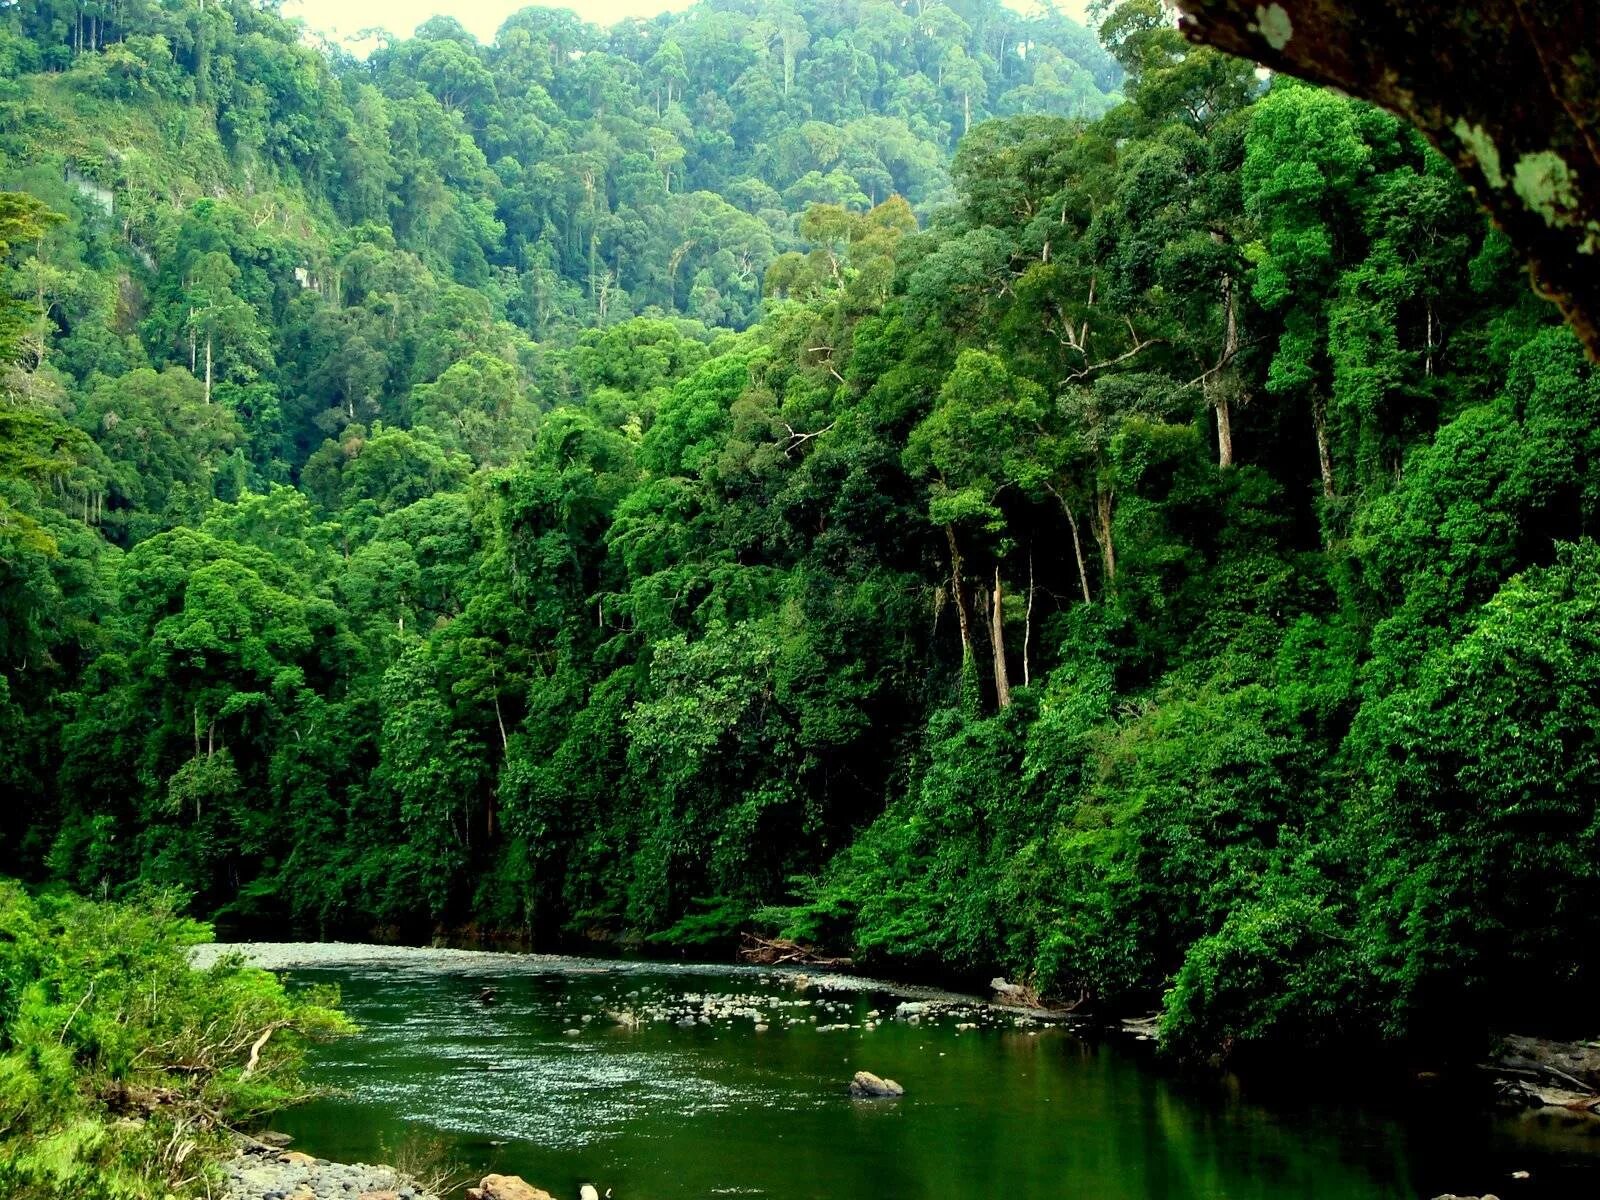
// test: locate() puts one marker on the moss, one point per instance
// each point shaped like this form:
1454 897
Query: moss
1275 25
1546 184
1482 148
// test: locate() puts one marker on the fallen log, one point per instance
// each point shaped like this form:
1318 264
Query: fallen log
773 952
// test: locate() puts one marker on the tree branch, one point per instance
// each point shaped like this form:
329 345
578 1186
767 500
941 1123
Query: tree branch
795 439
1508 90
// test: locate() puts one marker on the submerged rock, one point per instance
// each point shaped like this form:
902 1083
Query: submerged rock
867 1086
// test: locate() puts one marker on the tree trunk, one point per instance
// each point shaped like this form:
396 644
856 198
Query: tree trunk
1224 377
1027 627
1224 434
1077 549
1105 505
1427 366
997 641
208 368
1319 420
959 591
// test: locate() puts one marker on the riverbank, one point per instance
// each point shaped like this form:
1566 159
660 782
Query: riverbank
492 964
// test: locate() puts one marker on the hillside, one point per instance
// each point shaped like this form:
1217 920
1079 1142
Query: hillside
903 479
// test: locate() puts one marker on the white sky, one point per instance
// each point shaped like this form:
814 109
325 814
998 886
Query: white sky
343 18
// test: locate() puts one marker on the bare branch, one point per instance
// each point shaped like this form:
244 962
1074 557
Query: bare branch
1138 347
255 1050
794 438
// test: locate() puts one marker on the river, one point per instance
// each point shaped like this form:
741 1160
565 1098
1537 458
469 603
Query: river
654 1081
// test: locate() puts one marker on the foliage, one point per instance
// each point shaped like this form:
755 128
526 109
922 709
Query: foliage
121 1066
900 475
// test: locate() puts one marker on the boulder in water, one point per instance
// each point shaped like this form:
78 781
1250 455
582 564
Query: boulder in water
867 1086
506 1187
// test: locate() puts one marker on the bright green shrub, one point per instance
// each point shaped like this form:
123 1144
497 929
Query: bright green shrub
121 1066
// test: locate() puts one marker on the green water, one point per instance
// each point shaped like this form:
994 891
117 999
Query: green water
668 1112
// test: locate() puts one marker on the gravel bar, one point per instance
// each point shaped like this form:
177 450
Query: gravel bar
294 1176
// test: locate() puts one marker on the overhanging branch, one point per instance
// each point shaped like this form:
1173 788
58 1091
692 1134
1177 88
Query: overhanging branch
1508 90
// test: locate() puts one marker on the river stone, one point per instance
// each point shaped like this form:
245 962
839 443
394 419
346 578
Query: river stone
1003 987
272 1137
867 1086
506 1187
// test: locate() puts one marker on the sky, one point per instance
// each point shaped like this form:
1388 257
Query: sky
343 18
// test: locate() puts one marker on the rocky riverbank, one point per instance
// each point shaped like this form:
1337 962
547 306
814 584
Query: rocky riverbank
1008 1003
1540 1073
266 1173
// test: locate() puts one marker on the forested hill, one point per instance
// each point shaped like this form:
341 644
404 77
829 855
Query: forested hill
640 483
574 175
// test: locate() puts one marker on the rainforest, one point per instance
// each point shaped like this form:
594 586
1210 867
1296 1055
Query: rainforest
932 485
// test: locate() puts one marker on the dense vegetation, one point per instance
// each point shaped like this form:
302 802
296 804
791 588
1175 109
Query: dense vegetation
629 483
121 1067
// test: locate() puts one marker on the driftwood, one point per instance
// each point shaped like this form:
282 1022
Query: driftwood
1508 90
772 952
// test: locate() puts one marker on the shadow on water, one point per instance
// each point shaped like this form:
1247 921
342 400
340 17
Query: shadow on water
656 1084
